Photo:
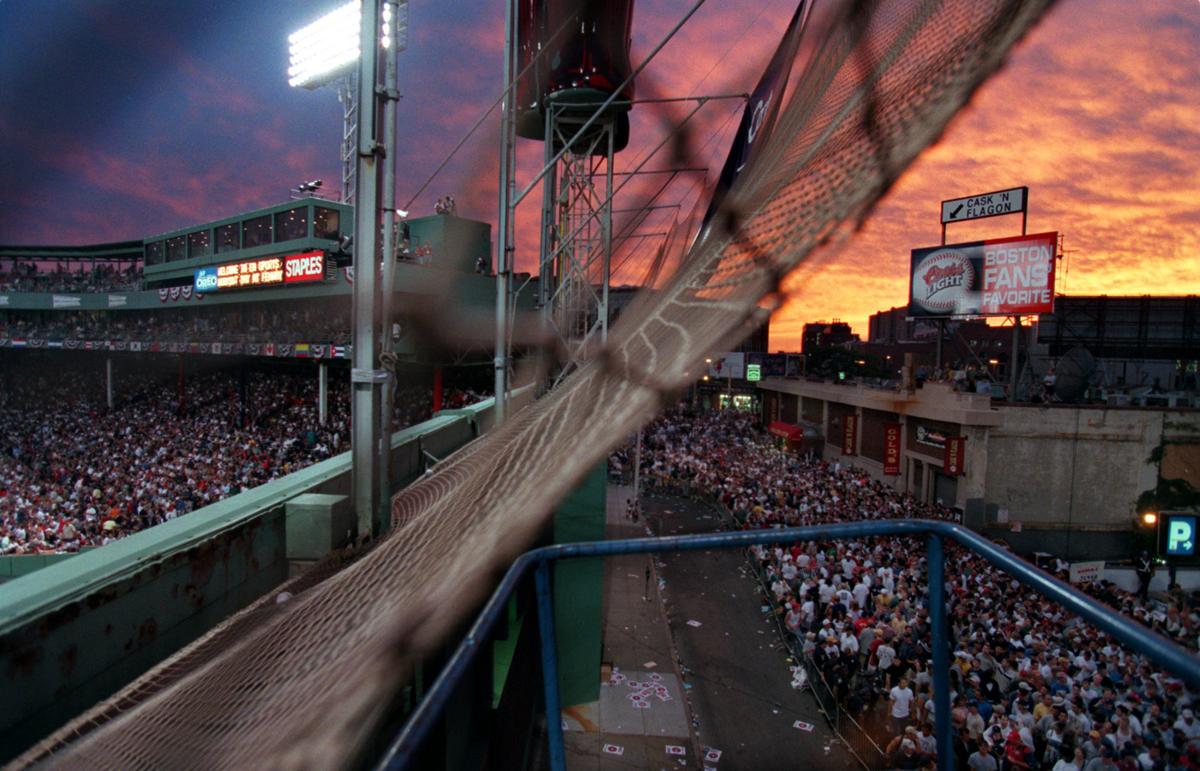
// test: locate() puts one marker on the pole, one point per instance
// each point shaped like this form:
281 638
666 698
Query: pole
937 356
504 240
390 99
108 382
366 378
941 653
1014 359
323 393
606 227
545 607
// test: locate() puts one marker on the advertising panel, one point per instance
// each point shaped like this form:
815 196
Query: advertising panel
728 365
849 435
952 462
264 271
891 448
997 277
1087 572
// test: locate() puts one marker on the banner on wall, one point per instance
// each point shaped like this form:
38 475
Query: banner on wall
891 448
953 461
849 434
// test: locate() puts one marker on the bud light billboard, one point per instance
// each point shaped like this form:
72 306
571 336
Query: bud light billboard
206 280
998 277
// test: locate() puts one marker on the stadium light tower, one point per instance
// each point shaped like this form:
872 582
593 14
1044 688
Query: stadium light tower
340 49
325 52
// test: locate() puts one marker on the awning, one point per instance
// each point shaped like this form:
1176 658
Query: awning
786 430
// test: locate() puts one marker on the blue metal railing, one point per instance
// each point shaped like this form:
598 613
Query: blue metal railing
402 752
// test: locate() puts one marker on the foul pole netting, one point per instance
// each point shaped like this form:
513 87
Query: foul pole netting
305 683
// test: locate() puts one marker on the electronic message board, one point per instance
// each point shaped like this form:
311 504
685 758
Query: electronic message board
262 272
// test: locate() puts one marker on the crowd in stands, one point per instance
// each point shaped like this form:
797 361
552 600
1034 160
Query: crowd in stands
1032 686
74 474
316 324
28 277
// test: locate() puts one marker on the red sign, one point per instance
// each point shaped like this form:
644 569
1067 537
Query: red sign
952 461
997 277
307 266
891 448
849 434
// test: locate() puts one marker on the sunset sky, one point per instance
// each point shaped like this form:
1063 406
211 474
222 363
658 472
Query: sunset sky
124 119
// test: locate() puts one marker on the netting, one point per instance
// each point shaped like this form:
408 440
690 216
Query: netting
305 683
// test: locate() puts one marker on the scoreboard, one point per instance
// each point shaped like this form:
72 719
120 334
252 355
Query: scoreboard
305 267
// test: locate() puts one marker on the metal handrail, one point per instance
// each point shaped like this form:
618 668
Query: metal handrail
402 752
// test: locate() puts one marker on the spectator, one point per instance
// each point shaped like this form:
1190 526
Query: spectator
1031 682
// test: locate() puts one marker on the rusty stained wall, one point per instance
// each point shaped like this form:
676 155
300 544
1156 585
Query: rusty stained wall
64 662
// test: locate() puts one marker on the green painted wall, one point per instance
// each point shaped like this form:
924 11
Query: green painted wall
17 565
578 589
74 632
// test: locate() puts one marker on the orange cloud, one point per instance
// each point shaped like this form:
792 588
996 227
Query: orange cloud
1097 112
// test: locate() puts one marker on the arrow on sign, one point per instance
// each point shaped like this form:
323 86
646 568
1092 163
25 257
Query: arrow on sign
954 212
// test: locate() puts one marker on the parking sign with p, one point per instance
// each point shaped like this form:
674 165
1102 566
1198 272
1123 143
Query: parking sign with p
1178 535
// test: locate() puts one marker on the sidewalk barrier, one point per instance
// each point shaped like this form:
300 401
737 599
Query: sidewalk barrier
848 730
402 752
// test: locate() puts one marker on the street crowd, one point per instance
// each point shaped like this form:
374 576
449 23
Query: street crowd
1032 686
74 474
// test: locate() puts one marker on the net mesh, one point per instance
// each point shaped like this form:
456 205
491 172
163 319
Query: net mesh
304 683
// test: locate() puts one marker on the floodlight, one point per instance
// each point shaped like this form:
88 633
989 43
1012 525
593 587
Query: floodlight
327 48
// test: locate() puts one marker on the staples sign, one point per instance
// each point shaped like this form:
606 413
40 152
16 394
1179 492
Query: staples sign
308 266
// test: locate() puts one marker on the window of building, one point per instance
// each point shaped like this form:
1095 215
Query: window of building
227 238
256 232
326 223
176 248
154 253
199 244
291 224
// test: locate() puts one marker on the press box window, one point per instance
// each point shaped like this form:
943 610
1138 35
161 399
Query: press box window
154 253
256 232
227 238
291 224
176 248
199 244
326 223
